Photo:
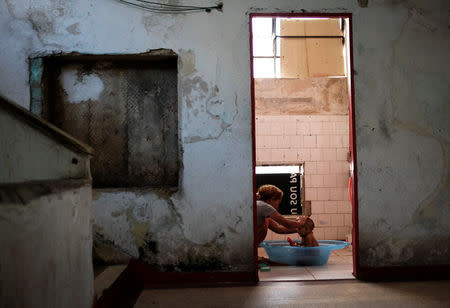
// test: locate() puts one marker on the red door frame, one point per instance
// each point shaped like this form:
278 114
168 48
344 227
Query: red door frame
353 185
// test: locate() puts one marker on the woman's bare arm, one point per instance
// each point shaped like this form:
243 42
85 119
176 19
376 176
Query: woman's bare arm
289 224
277 228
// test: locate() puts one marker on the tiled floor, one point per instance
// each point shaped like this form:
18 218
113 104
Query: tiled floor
339 266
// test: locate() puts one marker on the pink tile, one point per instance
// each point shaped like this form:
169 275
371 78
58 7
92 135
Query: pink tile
348 220
323 193
323 167
303 154
290 155
289 128
340 167
344 207
308 180
316 154
316 128
311 194
337 220
321 219
317 207
276 155
329 154
328 128
336 194
346 141
342 180
263 155
270 142
298 141
342 154
275 129
329 180
337 141
303 128
330 207
316 180
342 127
258 142
342 232
323 141
309 141
284 142
311 167
330 233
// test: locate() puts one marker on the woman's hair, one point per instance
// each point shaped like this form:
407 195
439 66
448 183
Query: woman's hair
267 192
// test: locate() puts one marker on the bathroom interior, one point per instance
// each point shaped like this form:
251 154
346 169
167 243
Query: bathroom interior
302 129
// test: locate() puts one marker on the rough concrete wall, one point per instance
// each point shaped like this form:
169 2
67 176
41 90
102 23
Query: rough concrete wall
46 249
301 96
28 155
401 86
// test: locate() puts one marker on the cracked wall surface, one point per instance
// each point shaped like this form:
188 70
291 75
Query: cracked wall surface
401 107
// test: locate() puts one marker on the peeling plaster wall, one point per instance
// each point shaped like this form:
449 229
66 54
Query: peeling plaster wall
401 85
46 247
28 155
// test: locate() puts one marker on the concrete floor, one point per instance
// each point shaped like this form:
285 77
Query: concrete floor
343 293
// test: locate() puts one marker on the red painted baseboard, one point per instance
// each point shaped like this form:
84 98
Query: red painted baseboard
151 277
404 273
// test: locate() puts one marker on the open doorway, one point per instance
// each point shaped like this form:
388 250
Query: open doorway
303 120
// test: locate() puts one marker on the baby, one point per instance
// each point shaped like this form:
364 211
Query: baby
308 239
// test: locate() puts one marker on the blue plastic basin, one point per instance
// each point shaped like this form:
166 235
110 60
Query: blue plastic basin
282 252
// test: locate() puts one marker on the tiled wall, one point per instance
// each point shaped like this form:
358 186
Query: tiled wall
322 143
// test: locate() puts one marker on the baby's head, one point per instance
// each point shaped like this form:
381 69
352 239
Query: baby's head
307 227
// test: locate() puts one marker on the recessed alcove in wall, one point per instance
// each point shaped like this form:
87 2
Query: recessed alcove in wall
124 106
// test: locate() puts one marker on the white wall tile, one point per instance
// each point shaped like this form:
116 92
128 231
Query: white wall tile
311 194
311 167
329 180
342 232
275 129
348 220
284 142
342 180
303 128
324 141
330 233
341 154
303 154
316 128
290 128
276 155
264 155
290 155
328 128
271 142
321 220
337 220
316 154
323 167
316 180
329 154
308 180
323 193
330 207
342 128
317 207
309 141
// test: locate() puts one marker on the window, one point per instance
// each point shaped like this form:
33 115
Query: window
124 106
298 47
